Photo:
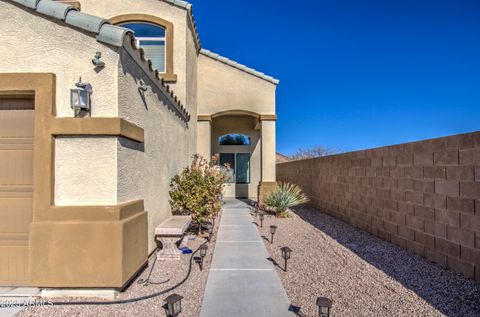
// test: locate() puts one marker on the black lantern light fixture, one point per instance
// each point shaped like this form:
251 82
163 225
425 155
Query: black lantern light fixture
324 306
203 252
80 96
261 216
273 229
173 305
210 233
286 253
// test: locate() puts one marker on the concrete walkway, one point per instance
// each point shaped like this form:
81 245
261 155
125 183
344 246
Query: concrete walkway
241 281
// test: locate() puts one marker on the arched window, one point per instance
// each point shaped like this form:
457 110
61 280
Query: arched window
155 36
234 139
151 38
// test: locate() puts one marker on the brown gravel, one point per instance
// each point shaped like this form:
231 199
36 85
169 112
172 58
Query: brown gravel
192 290
364 275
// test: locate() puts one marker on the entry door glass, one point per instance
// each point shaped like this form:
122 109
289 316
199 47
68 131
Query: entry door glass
243 168
229 158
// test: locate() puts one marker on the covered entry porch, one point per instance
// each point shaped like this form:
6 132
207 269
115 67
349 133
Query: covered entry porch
246 142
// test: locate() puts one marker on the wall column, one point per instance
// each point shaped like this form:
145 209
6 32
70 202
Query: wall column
267 183
204 136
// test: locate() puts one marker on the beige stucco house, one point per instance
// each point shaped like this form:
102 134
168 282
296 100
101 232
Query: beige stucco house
83 184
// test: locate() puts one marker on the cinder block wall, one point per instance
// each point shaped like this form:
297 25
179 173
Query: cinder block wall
423 196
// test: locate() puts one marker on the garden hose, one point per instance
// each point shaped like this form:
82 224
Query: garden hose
146 282
136 299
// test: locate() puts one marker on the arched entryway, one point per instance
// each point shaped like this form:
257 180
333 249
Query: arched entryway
250 150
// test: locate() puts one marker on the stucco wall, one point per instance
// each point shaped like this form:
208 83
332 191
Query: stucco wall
145 170
31 43
85 171
177 16
245 125
222 87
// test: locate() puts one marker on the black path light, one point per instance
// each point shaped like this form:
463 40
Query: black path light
173 305
261 216
324 305
286 252
203 252
210 233
273 229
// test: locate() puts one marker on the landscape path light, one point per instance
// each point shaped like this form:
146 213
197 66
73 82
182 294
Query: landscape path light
210 233
286 252
173 305
324 306
273 229
262 216
203 252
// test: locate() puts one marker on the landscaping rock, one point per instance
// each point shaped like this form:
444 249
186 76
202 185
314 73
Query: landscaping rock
362 274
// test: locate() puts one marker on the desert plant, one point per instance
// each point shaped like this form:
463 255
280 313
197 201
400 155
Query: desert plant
198 190
284 196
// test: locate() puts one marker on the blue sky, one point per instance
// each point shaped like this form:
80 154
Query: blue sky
356 74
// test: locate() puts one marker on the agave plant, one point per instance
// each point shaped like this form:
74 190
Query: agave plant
284 196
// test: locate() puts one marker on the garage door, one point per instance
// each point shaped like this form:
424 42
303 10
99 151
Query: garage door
16 189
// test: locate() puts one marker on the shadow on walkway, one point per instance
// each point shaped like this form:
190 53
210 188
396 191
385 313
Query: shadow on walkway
449 292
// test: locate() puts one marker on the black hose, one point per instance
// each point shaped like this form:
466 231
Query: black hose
146 281
135 299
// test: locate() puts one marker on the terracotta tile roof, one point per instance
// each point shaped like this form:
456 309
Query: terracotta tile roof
105 33
189 7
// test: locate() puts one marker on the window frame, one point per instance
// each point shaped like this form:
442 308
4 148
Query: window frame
152 39
168 76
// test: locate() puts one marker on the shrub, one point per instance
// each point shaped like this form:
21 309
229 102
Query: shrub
198 190
285 196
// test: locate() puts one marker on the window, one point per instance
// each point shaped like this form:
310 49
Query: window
234 139
239 163
151 38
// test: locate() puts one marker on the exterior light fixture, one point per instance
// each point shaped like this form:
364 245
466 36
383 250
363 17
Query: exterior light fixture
142 87
173 305
273 229
210 233
203 252
97 61
324 306
286 252
261 216
80 96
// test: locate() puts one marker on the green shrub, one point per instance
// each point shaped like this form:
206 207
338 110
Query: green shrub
285 196
198 190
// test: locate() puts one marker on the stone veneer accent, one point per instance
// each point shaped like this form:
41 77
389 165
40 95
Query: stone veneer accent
423 196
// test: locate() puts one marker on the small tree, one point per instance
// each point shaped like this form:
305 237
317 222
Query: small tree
198 190
285 196
316 151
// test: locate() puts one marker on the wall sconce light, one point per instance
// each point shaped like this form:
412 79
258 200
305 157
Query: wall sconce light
80 96
261 216
97 61
173 305
273 229
142 87
324 305
286 252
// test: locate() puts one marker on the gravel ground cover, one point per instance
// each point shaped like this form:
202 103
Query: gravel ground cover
364 275
192 290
